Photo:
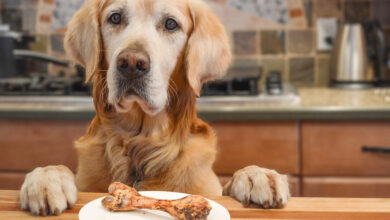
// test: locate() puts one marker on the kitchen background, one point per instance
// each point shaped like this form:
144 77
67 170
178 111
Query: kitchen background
288 36
283 115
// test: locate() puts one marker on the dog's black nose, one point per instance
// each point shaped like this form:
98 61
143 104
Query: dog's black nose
133 63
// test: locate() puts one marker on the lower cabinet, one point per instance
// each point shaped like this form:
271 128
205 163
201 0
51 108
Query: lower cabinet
272 145
378 187
321 158
346 159
345 148
11 180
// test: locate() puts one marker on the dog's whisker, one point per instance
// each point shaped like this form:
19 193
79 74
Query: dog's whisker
173 91
174 87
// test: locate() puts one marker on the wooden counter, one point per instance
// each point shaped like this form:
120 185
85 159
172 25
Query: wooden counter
297 208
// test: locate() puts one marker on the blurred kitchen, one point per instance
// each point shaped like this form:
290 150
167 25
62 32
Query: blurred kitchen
308 93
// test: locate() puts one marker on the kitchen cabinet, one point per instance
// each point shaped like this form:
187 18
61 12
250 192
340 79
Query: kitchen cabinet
271 145
268 144
26 144
335 148
334 164
363 187
321 158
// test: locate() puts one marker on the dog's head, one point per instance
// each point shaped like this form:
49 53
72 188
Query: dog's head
140 43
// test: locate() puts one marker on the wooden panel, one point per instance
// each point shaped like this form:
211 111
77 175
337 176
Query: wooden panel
26 144
346 187
296 208
11 180
294 184
334 148
266 144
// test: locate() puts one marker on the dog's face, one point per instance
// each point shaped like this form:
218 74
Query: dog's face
141 42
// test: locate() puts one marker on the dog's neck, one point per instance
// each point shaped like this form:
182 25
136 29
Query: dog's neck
146 144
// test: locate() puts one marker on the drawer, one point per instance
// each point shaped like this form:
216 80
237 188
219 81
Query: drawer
335 148
26 144
294 184
11 181
346 187
266 144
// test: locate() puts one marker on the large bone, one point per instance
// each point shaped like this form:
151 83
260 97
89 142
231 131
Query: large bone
125 198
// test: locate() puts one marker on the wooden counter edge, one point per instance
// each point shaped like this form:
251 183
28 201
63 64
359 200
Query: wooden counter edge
297 207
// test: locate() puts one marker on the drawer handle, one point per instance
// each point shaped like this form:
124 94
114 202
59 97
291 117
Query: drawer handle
373 149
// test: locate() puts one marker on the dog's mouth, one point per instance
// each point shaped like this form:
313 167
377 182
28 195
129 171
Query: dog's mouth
127 103
126 94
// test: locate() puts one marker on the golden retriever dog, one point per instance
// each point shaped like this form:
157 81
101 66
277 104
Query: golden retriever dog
147 61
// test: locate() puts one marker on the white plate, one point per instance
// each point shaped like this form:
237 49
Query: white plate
95 210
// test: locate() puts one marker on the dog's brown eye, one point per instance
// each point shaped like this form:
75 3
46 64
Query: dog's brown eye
171 24
115 18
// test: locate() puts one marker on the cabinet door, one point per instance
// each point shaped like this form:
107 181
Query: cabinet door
27 144
335 148
266 144
346 187
11 180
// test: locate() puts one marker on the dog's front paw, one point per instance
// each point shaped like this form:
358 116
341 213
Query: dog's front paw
254 184
48 190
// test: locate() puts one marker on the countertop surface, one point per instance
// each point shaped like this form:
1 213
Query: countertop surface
296 208
312 104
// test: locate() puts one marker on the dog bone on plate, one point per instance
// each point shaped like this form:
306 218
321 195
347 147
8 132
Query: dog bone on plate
125 198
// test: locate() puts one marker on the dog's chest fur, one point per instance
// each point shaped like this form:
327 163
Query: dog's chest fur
138 157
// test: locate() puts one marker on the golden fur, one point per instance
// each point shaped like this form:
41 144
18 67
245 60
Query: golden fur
169 149
173 150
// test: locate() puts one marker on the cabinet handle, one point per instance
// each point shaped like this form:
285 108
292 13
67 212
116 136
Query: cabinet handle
374 149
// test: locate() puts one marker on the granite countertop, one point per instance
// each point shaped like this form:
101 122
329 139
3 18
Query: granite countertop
314 104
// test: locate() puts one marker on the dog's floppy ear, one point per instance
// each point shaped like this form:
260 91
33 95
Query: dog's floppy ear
208 53
83 38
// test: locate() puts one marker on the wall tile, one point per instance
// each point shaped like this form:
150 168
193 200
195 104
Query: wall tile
300 41
245 42
323 71
357 11
246 62
273 64
56 42
218 1
380 11
308 6
12 17
41 44
302 71
272 42
328 8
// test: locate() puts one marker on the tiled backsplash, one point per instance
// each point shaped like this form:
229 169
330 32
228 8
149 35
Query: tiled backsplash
276 35
287 41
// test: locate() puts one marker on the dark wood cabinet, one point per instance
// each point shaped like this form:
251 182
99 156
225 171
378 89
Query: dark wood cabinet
335 148
271 145
321 158
364 187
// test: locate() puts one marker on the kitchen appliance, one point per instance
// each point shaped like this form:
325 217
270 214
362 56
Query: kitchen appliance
17 78
274 83
14 56
359 57
242 86
241 81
